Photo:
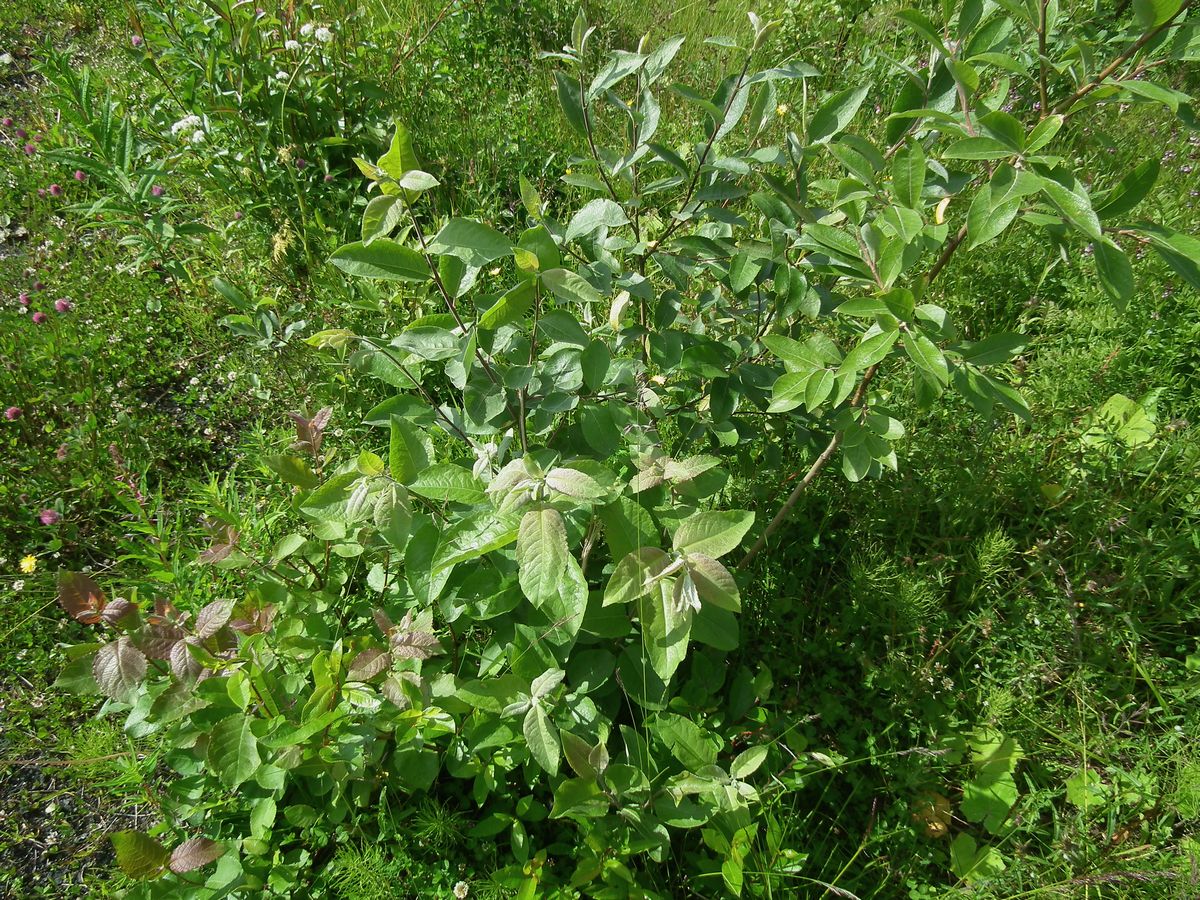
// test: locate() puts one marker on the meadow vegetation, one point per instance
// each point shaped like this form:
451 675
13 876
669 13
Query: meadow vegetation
511 449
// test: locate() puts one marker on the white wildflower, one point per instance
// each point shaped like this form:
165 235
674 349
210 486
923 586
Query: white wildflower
18 586
461 889
6 59
187 123
281 76
291 46
306 29
197 136
324 35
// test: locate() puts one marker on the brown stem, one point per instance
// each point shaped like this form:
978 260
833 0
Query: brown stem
1121 60
813 471
737 87
945 257
587 128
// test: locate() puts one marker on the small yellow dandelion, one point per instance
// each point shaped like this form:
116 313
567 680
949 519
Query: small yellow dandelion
28 564
781 110
568 171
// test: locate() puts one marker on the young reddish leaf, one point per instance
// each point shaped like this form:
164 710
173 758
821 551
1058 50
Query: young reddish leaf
81 597
310 432
157 641
194 853
184 666
165 613
384 623
213 618
255 621
368 664
223 539
415 645
119 668
117 610
139 855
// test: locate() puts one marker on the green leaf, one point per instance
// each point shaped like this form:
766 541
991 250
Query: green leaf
989 797
796 357
621 65
1086 789
665 632
292 469
542 554
410 450
577 752
1129 191
659 58
978 148
1180 251
712 534
233 751
414 181
542 738
632 574
530 198
596 214
908 175
511 307
383 258
986 221
139 855
870 352
473 537
1043 133
836 113
578 798
568 97
380 218
995 348
694 746
473 242
748 762
974 864
399 158
448 482
566 285
628 526
1152 13
743 271
927 356
714 582
1072 200
1115 271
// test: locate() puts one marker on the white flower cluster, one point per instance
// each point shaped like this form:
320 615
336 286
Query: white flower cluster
189 126
321 32
6 59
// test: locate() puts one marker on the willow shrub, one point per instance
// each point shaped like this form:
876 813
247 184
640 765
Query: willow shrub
527 609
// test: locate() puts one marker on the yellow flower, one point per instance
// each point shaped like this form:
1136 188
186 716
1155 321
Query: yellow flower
781 110
28 564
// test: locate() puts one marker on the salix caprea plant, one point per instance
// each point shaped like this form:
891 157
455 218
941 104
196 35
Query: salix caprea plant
527 604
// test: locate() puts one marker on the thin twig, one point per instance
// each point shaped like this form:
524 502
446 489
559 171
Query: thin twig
813 471
1120 60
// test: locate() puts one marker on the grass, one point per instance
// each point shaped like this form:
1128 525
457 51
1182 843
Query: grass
1019 579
